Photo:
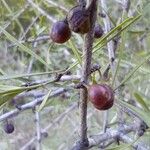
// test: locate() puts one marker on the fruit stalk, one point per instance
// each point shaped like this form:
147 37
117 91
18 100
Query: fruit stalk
86 67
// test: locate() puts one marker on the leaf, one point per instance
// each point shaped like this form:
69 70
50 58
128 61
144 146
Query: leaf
103 41
2 72
141 102
132 72
6 77
8 96
142 114
4 88
8 92
7 89
24 48
75 51
44 102
141 69
118 28
121 147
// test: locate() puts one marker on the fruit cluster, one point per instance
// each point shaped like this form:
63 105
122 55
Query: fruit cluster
78 21
101 96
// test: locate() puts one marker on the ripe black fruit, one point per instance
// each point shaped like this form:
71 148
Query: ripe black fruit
60 32
98 31
101 96
78 20
9 128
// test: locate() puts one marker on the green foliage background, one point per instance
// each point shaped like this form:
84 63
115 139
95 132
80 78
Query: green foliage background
17 53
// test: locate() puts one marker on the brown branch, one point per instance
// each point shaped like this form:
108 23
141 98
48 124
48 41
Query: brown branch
87 53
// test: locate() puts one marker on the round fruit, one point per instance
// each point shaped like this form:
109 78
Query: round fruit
60 32
101 96
98 31
9 128
78 19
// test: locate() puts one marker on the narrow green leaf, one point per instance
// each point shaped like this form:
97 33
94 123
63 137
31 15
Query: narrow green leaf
42 105
7 87
103 41
2 72
141 102
24 48
75 51
141 69
118 28
8 96
12 13
6 90
121 147
6 77
132 72
141 113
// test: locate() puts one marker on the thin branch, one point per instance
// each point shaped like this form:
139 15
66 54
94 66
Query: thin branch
34 45
86 69
34 93
112 134
107 26
59 6
52 124
30 105
107 143
62 79
127 4
52 19
96 140
87 53
40 38
111 54
15 17
28 28
136 146
38 130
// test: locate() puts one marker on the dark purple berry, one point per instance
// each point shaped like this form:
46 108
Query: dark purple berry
60 32
101 96
9 128
98 31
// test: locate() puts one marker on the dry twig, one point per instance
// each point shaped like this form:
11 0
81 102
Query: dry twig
30 105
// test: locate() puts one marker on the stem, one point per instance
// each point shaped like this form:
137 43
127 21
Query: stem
82 2
86 67
111 54
38 131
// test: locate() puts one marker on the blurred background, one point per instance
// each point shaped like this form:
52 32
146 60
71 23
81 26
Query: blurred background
29 23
